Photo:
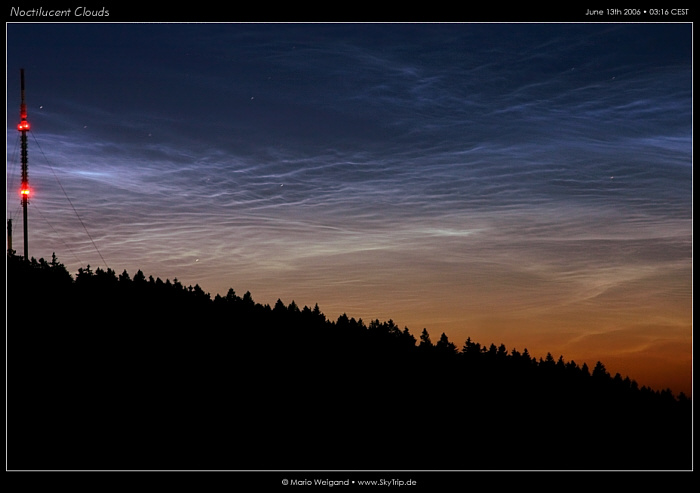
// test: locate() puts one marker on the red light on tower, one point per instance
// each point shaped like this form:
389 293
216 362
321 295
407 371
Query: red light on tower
24 192
23 125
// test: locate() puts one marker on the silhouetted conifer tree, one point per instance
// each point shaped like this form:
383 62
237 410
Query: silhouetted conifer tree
425 341
444 346
124 277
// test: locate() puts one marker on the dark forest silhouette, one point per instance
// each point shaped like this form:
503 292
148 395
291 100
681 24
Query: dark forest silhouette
107 371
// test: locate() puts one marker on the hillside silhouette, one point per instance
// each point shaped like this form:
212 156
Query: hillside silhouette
109 371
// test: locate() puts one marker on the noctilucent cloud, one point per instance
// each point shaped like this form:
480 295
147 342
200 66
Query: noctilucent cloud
524 184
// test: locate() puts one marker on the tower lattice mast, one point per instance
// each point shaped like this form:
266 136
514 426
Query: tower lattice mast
23 127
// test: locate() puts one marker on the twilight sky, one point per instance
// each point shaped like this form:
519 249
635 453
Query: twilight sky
525 184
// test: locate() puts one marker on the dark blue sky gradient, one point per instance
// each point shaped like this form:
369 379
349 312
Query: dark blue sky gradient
526 184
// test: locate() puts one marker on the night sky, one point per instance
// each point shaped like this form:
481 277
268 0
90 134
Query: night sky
524 184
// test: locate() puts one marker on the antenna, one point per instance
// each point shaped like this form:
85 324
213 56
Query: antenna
23 127
10 251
